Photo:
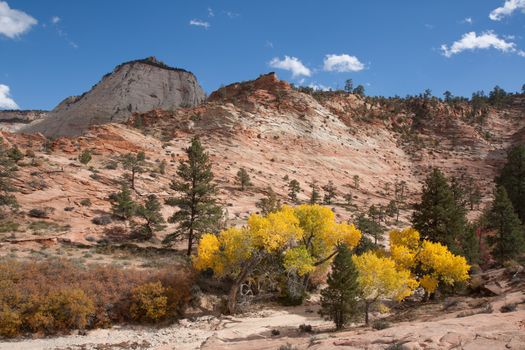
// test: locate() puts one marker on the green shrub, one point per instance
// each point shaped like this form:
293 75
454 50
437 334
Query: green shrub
85 157
86 202
10 323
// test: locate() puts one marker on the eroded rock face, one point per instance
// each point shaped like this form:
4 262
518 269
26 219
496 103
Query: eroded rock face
136 86
13 120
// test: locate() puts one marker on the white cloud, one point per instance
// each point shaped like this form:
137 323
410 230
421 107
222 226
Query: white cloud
468 20
210 12
319 87
507 9
6 102
55 19
471 41
199 23
292 64
268 44
342 63
14 22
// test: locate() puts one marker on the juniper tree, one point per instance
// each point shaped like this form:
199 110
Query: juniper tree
293 189
123 205
314 196
329 192
7 173
135 163
243 178
356 181
269 203
349 200
198 211
339 301
15 154
150 213
512 178
438 216
509 241
370 227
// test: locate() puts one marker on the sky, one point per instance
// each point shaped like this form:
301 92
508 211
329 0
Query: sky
57 48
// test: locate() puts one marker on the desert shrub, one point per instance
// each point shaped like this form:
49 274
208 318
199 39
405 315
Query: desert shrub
508 308
86 202
54 295
8 226
62 310
102 220
38 213
148 302
111 165
381 324
10 322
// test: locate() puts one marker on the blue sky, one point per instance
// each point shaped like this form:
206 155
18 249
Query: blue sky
56 48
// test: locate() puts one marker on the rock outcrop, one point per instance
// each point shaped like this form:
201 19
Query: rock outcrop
12 120
136 86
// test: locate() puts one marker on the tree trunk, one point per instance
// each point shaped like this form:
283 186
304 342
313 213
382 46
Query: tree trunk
234 290
133 179
367 307
190 242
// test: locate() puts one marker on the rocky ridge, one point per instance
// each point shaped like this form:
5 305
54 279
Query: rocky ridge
135 86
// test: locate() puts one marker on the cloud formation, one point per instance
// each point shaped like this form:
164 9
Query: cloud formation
55 19
6 102
507 9
472 41
342 63
14 23
199 23
292 64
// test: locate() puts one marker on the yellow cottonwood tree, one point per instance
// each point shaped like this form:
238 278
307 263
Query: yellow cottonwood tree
305 237
380 278
431 263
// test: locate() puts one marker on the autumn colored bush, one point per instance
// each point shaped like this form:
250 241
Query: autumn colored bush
54 296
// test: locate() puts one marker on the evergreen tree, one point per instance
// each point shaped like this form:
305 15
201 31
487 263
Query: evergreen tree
85 157
150 212
314 196
509 240
243 179
439 217
329 192
198 209
339 301
349 200
356 181
135 164
512 178
370 227
123 205
349 85
293 189
270 203
15 154
359 90
7 173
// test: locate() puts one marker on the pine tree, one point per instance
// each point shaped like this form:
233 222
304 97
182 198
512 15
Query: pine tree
243 179
135 164
7 172
330 192
150 212
439 217
512 178
370 227
339 301
198 211
314 197
509 240
123 205
356 181
294 188
270 203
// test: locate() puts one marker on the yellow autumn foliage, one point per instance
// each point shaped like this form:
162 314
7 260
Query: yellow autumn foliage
408 237
381 278
305 236
433 259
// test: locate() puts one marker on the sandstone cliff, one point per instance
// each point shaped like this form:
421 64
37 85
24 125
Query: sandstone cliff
13 120
136 86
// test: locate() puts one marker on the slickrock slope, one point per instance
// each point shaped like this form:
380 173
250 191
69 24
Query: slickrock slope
13 120
136 86
274 131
